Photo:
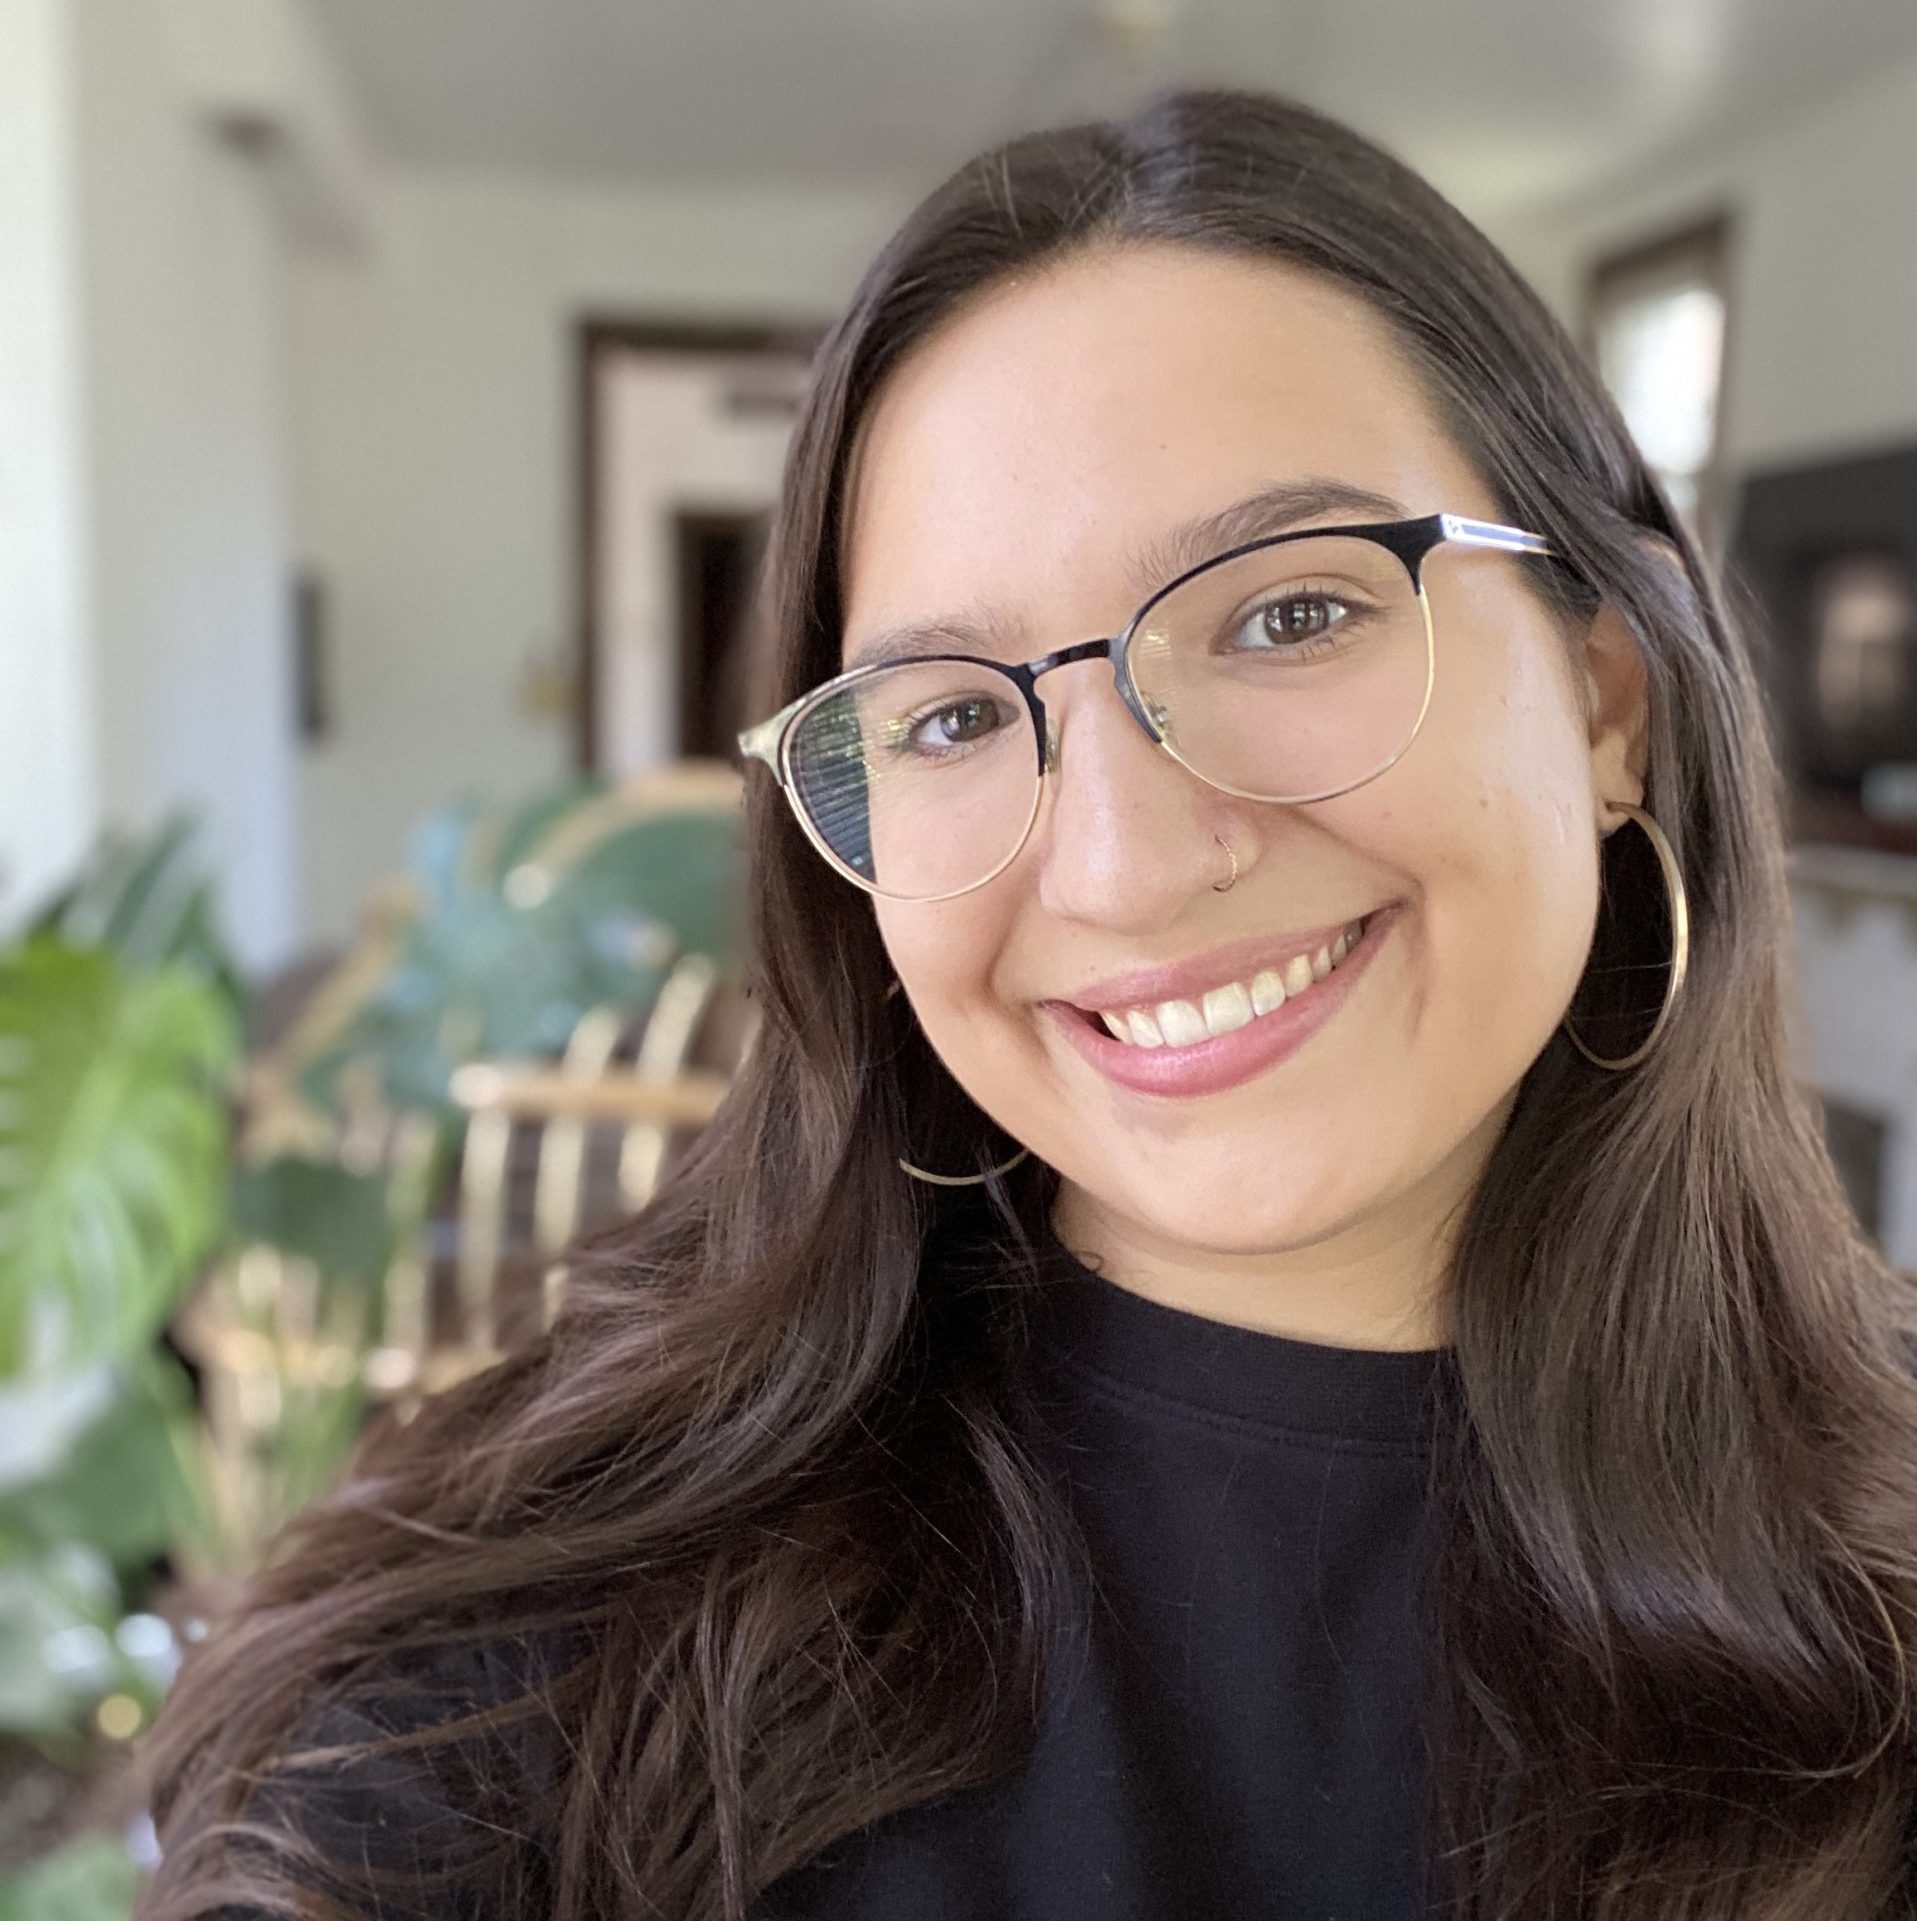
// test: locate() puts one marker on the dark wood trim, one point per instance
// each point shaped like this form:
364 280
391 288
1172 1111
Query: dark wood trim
596 336
1710 242
585 711
1705 238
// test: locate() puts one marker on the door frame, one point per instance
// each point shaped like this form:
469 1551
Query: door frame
597 338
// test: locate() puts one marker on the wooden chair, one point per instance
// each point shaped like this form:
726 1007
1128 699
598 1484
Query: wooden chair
550 1148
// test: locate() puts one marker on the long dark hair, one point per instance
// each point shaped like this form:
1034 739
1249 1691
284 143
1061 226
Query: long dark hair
763 1485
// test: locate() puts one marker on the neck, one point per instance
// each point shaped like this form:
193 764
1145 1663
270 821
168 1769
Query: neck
1379 1280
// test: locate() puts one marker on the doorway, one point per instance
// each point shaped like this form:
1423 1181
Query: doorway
718 558
683 435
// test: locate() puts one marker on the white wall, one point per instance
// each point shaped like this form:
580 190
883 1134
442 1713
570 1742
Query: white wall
1821 361
1822 354
436 452
179 349
47 802
144 658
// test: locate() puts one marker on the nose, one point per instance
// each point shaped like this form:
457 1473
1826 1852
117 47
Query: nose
1128 836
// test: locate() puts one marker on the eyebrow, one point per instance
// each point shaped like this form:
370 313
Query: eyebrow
1273 509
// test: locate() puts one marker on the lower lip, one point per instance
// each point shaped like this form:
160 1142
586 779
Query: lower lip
1211 1066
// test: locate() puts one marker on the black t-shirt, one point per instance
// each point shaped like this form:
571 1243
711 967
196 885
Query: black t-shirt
1240 1738
1234 1738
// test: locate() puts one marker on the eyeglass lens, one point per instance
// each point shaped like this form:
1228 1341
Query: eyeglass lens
1286 674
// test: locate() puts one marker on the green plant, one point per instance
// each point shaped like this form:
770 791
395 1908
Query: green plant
91 1878
507 951
113 1150
121 1018
113 1174
119 1037
317 1211
147 900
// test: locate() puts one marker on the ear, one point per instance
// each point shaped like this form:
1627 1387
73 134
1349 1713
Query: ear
1617 697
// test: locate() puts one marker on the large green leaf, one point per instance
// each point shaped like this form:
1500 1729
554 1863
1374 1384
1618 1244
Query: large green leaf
58 1658
683 872
330 1215
149 900
113 1143
91 1878
525 826
492 969
125 1483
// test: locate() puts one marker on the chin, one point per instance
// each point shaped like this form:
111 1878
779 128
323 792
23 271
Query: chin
1235 1206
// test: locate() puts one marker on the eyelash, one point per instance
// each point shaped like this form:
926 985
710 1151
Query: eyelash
905 742
1308 645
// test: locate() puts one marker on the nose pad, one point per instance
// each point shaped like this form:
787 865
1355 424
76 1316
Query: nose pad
1151 712
1051 745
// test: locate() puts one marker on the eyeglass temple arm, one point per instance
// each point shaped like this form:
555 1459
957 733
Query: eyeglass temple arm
1487 533
762 742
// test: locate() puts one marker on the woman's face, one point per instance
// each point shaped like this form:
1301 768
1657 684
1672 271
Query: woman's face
1016 463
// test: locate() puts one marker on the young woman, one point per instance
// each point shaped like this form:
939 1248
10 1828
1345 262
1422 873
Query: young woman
1266 1332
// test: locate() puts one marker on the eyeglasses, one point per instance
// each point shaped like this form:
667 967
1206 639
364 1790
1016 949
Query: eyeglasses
1288 669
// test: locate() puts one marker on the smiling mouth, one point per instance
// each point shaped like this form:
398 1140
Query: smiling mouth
1231 1005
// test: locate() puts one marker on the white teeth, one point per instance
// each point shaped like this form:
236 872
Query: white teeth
1145 1031
1228 1008
1183 1025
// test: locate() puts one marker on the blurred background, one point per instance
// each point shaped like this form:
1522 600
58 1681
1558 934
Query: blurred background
392 397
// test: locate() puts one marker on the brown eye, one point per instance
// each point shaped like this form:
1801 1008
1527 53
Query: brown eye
1301 616
957 723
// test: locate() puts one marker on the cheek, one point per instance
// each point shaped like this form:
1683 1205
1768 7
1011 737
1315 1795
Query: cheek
1507 846
947 955
944 953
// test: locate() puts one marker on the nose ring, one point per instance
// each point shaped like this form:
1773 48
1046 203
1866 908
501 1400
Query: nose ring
1225 886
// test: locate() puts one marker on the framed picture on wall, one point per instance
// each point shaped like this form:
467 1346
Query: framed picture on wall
1827 556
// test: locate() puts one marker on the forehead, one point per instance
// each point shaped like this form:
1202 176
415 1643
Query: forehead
1062 421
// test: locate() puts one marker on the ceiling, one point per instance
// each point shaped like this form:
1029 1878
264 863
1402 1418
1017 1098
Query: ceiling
1506 104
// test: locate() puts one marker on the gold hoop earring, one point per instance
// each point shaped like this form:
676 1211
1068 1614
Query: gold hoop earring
954 1180
963 1180
1225 886
1680 944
